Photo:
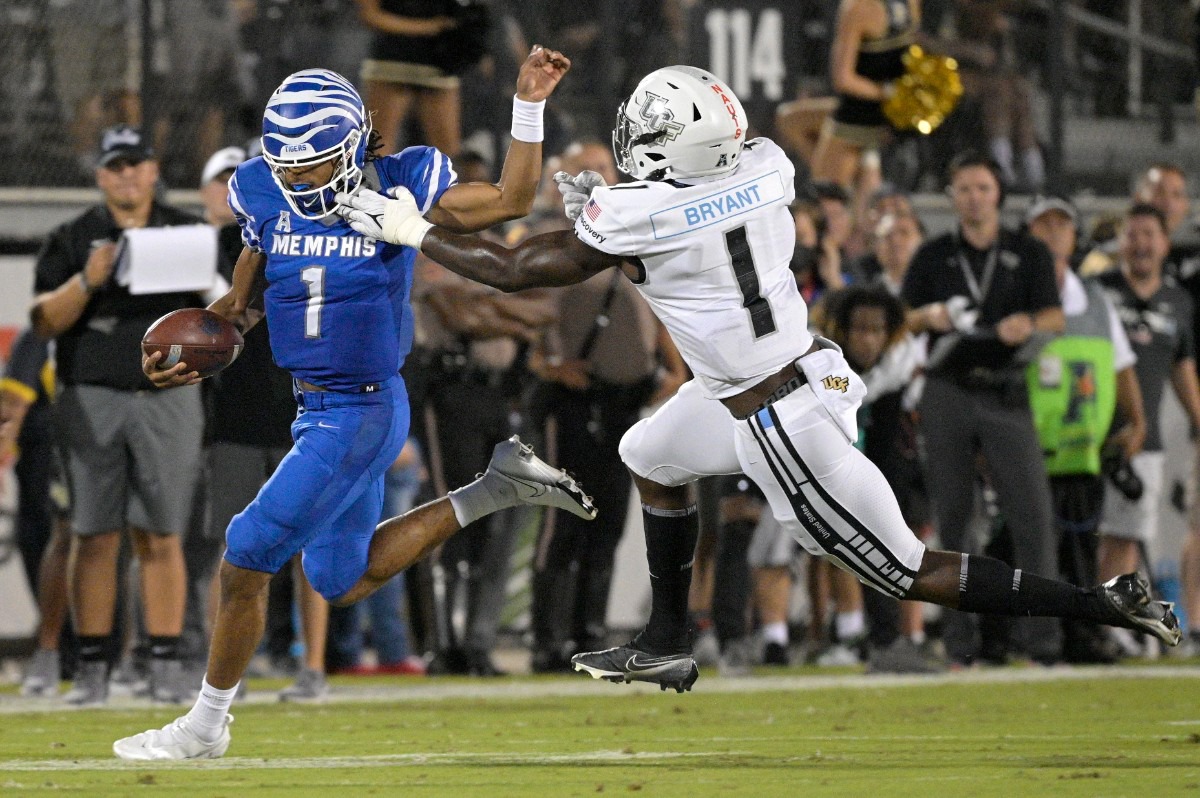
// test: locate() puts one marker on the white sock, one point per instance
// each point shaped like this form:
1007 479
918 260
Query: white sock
918 638
478 499
849 625
776 632
207 717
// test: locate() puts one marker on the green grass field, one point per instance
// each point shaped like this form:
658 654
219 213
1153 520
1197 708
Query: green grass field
1013 732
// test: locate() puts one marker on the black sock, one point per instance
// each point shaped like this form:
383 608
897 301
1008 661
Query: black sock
990 586
670 548
164 647
94 648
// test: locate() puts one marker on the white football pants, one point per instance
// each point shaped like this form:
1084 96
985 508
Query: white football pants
825 492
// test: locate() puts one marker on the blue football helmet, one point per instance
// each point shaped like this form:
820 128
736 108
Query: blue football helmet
315 115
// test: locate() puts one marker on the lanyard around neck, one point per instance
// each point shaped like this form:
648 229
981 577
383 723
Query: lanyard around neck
979 288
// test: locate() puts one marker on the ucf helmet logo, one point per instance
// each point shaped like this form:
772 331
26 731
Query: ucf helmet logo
836 383
659 117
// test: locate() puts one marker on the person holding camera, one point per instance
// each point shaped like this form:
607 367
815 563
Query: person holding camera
1157 315
983 293
1076 384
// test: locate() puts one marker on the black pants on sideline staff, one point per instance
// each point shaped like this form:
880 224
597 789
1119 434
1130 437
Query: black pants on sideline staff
958 422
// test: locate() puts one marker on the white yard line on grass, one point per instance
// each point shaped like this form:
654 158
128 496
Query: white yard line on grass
524 688
380 760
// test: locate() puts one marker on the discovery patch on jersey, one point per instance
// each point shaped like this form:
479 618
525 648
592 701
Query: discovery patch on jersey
720 206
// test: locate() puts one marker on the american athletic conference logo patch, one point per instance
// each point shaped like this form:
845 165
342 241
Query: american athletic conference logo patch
836 383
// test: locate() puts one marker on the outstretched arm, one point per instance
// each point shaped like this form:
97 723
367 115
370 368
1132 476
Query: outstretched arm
550 259
469 207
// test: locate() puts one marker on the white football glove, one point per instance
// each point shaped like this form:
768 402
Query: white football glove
576 189
395 221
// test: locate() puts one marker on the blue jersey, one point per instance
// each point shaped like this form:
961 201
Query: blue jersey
336 301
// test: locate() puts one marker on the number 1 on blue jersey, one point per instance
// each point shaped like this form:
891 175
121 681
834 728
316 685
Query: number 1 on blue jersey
314 278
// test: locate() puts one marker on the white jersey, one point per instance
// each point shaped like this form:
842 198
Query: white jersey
715 256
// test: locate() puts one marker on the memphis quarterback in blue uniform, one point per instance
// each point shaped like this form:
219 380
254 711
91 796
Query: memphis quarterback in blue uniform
337 305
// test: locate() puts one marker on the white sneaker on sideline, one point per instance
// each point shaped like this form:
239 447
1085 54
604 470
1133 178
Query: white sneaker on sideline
176 740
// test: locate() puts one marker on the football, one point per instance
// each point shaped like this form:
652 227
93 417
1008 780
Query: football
200 338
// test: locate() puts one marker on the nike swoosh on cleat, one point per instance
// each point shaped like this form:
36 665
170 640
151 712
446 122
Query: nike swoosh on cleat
633 664
538 488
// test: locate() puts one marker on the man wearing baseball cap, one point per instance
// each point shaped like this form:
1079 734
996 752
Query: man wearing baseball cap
214 190
123 143
131 454
1076 383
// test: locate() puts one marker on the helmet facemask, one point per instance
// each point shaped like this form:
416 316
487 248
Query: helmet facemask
317 202
628 134
316 116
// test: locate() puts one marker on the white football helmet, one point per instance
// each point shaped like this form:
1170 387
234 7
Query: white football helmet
680 121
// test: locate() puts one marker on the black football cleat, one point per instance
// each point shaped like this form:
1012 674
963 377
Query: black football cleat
627 664
1129 597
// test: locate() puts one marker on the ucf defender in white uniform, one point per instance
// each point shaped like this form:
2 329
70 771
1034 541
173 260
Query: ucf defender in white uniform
706 236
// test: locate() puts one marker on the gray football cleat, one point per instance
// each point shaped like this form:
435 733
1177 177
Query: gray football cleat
90 687
42 674
176 740
310 685
1129 597
167 683
531 481
627 664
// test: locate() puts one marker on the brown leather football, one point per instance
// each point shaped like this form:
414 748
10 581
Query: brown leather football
200 338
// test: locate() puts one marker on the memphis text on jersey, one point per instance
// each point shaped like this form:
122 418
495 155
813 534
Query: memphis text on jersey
323 246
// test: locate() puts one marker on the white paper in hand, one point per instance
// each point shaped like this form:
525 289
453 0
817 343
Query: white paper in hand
163 260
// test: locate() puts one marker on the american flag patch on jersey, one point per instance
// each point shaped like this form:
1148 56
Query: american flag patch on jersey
592 210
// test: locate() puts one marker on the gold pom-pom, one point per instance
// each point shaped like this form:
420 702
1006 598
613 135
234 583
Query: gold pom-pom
925 94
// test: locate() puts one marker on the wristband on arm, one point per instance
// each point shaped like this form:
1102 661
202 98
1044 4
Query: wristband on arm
527 120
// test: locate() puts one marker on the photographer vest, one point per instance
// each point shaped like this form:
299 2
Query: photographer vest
1072 390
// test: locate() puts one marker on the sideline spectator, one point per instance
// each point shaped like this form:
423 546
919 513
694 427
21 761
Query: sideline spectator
1074 387
415 57
43 526
468 337
866 57
1157 315
982 292
250 432
384 609
94 78
132 453
898 236
1165 186
868 323
603 359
